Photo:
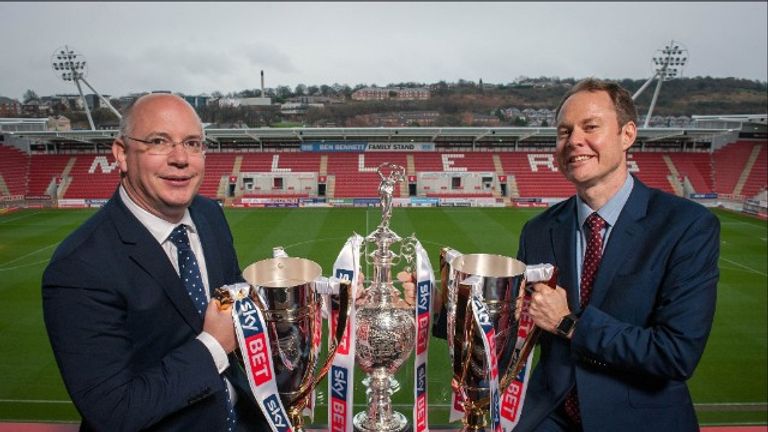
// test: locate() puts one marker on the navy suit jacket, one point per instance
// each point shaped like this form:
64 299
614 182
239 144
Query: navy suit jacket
645 327
123 328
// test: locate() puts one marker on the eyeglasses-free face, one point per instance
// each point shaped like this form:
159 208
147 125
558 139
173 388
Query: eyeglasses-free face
160 145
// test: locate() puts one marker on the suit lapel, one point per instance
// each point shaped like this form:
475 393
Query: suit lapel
144 250
620 243
563 240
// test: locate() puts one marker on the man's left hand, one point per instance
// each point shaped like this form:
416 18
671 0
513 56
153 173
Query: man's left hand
548 306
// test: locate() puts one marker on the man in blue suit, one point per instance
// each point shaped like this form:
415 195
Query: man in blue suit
135 350
629 319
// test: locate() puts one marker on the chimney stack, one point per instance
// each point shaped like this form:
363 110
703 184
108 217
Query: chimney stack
262 85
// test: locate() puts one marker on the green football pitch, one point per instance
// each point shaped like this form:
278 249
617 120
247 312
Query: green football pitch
730 385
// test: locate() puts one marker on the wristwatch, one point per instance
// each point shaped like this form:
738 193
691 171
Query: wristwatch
566 325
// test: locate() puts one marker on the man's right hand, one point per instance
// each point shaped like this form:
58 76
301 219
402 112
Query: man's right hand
218 323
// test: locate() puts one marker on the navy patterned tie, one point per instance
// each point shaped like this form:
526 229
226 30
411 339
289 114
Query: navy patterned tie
189 272
592 258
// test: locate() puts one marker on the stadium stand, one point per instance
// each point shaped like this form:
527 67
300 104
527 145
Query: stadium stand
93 177
682 164
536 175
459 161
739 168
697 167
297 162
653 170
43 169
756 182
256 162
14 165
350 182
736 169
216 166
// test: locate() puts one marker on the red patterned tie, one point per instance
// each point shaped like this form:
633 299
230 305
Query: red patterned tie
588 271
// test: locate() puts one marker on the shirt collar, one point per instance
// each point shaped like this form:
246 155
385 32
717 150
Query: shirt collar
159 228
611 210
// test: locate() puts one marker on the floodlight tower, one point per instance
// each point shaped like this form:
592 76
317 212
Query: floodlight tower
71 66
668 64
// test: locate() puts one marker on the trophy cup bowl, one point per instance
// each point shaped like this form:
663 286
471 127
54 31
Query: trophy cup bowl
285 290
503 278
385 339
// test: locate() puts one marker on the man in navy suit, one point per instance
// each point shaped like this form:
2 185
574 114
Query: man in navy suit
134 351
629 319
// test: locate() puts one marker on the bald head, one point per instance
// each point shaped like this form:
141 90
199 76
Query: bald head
145 103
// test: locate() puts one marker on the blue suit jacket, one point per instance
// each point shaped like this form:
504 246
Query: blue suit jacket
123 327
644 330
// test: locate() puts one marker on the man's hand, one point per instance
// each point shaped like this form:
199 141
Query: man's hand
548 306
218 323
409 288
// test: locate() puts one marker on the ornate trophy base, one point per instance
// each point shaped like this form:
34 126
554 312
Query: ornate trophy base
397 423
380 417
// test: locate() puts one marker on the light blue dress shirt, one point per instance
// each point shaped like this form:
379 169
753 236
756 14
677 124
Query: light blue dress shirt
609 212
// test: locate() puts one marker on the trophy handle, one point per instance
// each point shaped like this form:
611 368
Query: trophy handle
345 301
469 331
516 366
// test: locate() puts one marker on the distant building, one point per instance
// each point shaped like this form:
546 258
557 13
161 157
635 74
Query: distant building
9 107
197 101
58 124
395 119
325 100
473 119
94 101
69 101
237 102
36 108
386 93
126 101
298 108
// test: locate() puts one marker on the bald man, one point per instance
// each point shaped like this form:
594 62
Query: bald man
138 347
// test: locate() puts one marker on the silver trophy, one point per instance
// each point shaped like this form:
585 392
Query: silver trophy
500 282
287 291
385 321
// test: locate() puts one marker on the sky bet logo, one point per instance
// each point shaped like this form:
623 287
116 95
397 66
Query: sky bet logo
423 316
248 318
339 386
276 414
424 296
255 342
421 399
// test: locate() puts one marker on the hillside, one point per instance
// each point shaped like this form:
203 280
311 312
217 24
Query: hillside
467 103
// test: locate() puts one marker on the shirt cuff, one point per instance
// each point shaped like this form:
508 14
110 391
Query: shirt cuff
217 352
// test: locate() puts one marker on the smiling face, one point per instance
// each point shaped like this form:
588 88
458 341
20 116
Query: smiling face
591 146
164 185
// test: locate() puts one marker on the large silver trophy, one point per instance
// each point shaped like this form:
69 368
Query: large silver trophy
495 285
280 345
385 321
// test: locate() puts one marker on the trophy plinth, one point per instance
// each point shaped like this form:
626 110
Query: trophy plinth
386 327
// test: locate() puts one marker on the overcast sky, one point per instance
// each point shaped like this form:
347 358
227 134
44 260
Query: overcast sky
201 47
